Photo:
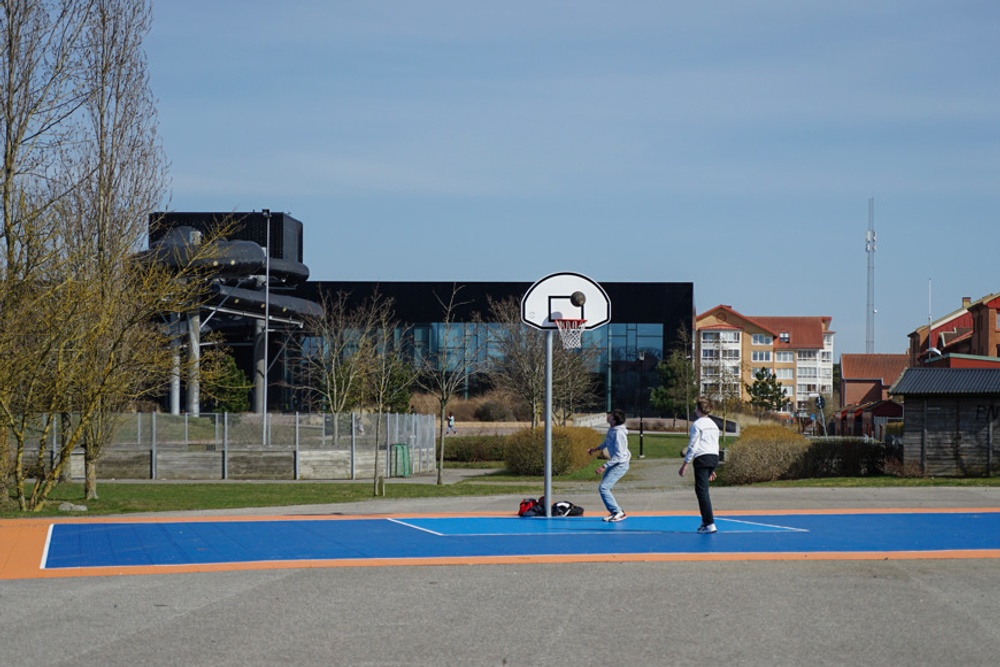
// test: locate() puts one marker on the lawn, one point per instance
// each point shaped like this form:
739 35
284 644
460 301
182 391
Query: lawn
123 498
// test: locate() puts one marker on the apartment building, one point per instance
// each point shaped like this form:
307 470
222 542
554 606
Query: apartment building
732 347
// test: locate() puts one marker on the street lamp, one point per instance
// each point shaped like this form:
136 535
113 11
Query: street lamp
642 358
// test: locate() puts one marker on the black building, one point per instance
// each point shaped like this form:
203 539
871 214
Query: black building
645 317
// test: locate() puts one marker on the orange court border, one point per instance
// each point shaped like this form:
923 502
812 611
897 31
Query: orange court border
23 544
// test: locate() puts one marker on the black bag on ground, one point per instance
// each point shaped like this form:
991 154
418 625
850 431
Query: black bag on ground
564 508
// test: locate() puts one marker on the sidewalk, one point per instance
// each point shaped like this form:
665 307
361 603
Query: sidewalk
651 485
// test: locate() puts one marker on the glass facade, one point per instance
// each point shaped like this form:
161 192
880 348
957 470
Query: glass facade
646 319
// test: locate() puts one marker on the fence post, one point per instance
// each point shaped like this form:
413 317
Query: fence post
353 442
152 467
225 445
296 461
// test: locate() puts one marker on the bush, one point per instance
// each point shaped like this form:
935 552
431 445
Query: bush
769 453
525 452
474 448
763 453
842 457
494 411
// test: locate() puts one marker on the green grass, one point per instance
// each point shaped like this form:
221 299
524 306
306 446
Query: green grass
880 481
118 498
658 445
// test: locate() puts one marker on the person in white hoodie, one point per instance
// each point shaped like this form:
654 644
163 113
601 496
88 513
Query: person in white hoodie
616 446
703 450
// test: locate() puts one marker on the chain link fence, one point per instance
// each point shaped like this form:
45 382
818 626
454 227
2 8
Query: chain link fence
238 446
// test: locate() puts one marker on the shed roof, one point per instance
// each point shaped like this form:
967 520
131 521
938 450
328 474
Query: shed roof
937 381
884 367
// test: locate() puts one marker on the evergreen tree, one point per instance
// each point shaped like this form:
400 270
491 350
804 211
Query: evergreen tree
766 393
678 386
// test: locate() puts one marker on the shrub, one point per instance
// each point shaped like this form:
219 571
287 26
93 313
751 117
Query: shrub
494 411
842 457
525 452
768 453
763 453
475 448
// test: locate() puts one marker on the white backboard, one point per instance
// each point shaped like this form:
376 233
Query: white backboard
551 297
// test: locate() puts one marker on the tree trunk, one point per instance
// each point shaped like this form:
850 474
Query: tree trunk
440 479
90 479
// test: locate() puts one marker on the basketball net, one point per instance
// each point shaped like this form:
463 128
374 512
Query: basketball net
571 333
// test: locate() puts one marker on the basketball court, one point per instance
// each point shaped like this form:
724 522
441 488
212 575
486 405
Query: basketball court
101 547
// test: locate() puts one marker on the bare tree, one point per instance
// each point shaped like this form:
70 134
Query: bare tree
335 355
444 369
518 366
390 376
82 167
38 97
122 178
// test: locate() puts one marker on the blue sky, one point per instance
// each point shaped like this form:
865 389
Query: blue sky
733 144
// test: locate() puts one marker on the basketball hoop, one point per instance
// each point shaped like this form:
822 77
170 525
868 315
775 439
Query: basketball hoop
571 333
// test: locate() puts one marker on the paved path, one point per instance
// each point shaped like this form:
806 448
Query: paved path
912 612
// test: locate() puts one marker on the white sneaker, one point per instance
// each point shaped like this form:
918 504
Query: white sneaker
705 529
616 516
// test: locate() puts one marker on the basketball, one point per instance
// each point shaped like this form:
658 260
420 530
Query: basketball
578 299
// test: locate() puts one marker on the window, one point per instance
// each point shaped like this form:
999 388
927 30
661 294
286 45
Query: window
827 340
785 357
709 336
807 372
807 355
761 355
729 336
762 339
731 354
709 354
826 357
784 373
785 337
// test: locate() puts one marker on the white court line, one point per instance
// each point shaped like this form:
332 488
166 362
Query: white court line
595 530
45 550
765 525
410 525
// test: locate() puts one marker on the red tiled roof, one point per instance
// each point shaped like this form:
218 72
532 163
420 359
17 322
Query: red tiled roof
803 332
720 325
884 367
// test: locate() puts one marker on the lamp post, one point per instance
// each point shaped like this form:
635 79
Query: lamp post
267 317
642 358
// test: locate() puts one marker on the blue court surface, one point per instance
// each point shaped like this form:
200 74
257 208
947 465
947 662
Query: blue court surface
382 540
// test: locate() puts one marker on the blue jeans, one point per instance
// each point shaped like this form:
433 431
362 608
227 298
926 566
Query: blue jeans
611 477
704 466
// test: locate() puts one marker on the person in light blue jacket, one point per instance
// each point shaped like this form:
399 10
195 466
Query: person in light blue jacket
616 446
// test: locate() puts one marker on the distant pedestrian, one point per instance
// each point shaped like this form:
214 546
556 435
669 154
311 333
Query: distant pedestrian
451 425
616 446
703 451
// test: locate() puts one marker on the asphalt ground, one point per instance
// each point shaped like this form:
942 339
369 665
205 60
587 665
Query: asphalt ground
933 611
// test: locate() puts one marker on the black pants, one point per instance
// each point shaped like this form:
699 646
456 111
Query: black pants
704 466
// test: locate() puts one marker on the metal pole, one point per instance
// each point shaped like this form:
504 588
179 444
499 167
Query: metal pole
267 318
548 423
642 359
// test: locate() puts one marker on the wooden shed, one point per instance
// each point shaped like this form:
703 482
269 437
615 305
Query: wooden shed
950 420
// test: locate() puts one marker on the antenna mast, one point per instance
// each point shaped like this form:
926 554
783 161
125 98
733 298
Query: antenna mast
870 247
